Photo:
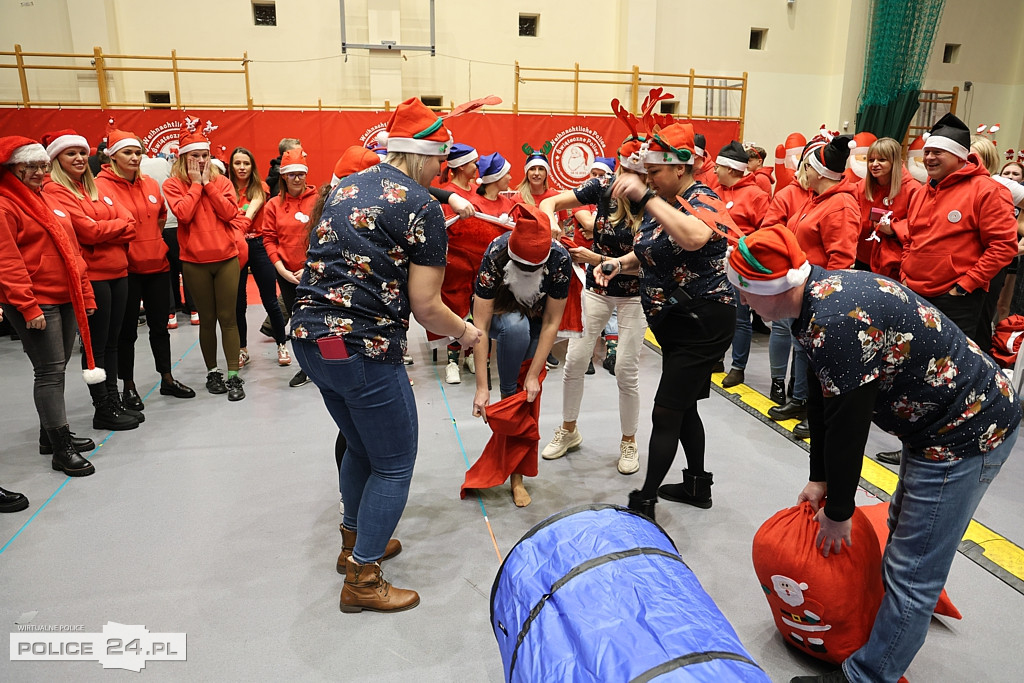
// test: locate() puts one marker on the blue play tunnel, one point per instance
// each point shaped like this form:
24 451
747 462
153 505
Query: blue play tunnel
599 593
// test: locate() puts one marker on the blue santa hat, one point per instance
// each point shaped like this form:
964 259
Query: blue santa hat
492 167
461 155
606 164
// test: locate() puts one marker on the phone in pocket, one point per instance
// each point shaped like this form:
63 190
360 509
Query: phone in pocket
332 348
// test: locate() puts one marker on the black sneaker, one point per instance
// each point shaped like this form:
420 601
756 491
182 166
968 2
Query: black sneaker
215 383
298 380
609 363
590 368
552 361
234 388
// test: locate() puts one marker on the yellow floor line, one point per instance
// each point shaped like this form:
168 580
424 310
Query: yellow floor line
1001 552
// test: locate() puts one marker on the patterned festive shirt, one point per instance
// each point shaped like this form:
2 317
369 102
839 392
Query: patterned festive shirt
665 266
609 240
356 281
557 271
938 392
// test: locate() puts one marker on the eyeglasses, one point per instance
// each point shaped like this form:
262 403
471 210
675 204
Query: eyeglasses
294 176
35 168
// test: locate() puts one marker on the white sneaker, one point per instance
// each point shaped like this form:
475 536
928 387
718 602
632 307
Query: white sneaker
470 364
451 373
629 457
564 441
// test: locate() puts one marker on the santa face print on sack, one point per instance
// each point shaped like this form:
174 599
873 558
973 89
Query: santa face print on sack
800 614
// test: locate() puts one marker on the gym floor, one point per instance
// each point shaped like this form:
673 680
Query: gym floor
220 520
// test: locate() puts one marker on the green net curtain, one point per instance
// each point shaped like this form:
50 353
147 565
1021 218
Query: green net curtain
900 36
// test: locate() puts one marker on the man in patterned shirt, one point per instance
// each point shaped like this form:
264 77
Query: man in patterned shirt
881 353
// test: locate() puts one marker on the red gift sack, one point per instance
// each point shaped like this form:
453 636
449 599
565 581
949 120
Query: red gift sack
878 515
823 606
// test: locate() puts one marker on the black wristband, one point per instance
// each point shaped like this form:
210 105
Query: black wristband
648 196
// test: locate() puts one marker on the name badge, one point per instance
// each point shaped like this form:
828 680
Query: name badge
109 201
729 205
152 199
954 216
60 213
301 217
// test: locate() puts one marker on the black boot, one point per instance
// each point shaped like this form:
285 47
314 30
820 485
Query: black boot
139 416
66 457
793 409
695 490
11 501
45 448
645 506
108 415
778 391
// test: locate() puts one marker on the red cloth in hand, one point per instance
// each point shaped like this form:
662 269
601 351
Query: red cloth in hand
513 447
572 317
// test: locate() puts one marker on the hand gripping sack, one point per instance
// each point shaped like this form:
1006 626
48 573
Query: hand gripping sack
823 606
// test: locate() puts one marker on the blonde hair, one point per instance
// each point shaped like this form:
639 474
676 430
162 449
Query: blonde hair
58 175
985 149
623 212
179 169
525 194
413 163
891 151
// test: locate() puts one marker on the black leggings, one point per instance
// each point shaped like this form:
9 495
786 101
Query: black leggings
151 290
105 329
670 427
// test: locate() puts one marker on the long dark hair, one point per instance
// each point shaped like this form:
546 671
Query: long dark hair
318 207
254 188
504 300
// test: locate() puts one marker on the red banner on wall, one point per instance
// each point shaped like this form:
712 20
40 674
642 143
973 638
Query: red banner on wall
325 135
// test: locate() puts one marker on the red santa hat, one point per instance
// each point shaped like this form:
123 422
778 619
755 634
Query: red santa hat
767 262
631 155
355 159
795 143
862 142
671 145
530 241
916 148
190 138
415 129
294 161
16 149
119 139
62 140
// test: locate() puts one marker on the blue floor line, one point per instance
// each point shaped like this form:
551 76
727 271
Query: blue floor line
458 436
92 452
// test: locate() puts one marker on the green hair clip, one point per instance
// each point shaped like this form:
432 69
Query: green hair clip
749 258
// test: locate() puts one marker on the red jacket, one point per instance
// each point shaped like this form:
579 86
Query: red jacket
253 228
884 254
787 202
763 178
827 227
147 253
286 228
961 231
746 201
32 271
208 218
103 227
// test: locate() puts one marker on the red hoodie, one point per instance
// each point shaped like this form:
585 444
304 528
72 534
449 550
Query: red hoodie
706 174
32 271
884 252
961 230
286 228
103 227
147 253
827 227
253 228
208 218
746 201
764 179
787 202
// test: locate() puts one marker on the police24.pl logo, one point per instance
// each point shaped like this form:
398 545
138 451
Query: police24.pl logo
119 646
572 152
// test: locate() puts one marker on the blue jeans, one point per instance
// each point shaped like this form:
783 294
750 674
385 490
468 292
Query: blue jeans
780 341
741 337
929 514
373 405
517 340
799 360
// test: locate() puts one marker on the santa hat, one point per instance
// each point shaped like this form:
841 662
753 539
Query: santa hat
461 155
415 129
830 160
119 139
916 148
294 161
1015 188
863 141
671 145
733 156
699 143
62 140
355 159
492 168
795 143
767 262
949 134
190 139
537 157
19 150
606 164
530 241
631 155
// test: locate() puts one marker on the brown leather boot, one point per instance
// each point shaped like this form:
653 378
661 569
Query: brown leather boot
366 588
348 541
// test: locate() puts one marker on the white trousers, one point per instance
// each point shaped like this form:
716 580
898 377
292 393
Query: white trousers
597 309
